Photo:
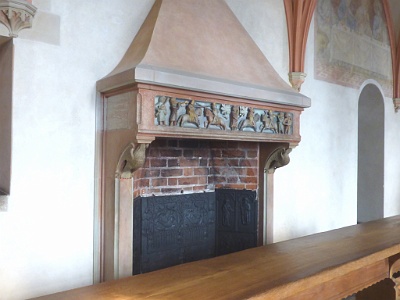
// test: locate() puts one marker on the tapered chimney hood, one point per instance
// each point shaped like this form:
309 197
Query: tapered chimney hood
200 45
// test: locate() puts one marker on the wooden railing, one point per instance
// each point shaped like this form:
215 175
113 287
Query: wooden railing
329 265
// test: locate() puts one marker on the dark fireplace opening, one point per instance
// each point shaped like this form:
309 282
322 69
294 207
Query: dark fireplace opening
174 229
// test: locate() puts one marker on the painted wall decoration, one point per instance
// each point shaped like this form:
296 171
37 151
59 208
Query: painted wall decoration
352 43
171 111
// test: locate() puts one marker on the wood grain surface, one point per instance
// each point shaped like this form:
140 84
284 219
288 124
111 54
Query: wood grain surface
327 265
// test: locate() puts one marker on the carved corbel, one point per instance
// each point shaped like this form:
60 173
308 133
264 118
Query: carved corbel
396 102
131 159
16 15
278 158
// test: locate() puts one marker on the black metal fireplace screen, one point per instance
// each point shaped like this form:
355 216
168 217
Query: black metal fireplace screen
175 229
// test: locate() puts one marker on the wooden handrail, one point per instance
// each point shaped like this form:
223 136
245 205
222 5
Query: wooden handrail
329 265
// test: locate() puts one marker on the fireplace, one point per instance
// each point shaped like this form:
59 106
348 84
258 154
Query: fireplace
190 113
194 199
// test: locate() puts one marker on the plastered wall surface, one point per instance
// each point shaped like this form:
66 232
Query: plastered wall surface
317 191
392 161
46 235
268 29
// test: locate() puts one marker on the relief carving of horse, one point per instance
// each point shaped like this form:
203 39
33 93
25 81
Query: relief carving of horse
187 118
191 116
213 119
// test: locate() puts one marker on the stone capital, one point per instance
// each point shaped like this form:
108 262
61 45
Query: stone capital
297 79
16 15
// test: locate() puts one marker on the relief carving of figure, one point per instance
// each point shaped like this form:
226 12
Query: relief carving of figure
287 123
281 118
250 120
234 117
226 213
161 110
213 118
174 107
245 209
268 121
191 115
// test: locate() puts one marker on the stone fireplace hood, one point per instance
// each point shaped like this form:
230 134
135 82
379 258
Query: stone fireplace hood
200 45
196 57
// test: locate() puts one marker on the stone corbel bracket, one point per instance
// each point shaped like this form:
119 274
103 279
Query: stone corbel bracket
131 159
278 158
396 103
16 15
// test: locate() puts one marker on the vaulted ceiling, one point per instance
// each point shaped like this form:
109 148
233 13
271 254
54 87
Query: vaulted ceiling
298 16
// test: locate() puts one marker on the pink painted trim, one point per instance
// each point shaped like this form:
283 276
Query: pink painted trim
395 51
289 22
299 14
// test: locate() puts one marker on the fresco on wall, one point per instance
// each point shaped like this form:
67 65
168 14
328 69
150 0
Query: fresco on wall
352 43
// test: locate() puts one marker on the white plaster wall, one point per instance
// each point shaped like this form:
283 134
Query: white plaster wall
317 191
46 236
322 174
392 161
265 21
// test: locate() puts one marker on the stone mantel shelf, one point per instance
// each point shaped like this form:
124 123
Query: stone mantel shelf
142 104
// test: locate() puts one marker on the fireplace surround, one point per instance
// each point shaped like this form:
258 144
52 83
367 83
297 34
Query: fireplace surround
189 110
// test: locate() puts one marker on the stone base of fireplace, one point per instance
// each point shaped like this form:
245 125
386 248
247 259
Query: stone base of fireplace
175 229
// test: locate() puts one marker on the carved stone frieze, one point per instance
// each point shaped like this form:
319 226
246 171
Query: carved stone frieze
188 113
131 159
278 158
16 15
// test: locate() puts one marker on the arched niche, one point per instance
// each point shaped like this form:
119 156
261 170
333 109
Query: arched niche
6 75
371 126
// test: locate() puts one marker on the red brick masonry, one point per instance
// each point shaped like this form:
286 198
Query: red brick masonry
189 166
